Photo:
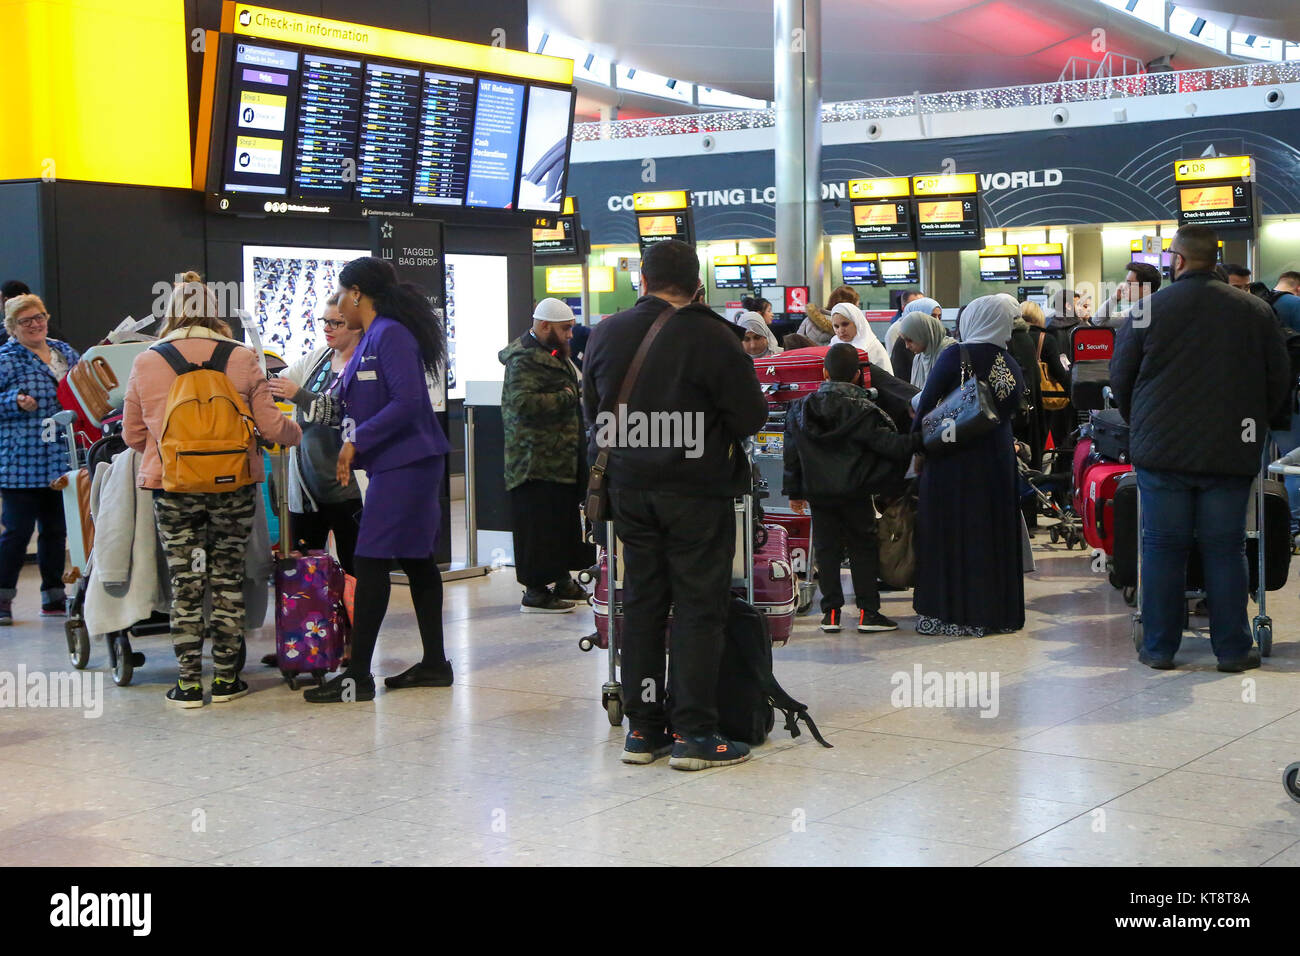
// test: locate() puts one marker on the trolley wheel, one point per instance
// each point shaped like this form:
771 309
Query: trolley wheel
290 678
1054 535
1264 635
1137 634
1289 781
585 644
78 642
613 709
587 575
124 659
319 676
1130 596
1113 578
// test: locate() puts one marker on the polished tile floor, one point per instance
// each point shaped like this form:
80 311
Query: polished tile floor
1091 759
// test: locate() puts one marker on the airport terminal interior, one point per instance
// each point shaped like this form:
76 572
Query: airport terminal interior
1087 173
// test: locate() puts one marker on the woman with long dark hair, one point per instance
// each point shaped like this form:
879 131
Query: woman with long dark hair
381 403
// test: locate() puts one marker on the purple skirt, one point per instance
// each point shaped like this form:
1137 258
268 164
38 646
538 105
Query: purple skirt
402 515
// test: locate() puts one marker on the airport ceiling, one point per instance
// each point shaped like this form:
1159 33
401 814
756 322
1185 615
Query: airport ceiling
873 48
1268 18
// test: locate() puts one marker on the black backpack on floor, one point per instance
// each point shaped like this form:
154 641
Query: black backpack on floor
748 694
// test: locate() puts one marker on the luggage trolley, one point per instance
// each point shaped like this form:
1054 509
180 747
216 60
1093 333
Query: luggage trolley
1262 625
1288 467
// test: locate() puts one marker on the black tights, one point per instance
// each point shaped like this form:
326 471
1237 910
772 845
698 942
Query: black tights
371 605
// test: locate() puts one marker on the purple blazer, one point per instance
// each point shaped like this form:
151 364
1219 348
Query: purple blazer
385 395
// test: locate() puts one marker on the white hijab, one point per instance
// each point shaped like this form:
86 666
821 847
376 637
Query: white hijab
865 340
928 332
988 320
753 322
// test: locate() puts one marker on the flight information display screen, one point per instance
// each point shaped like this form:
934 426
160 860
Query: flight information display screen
1039 267
1218 205
560 241
662 226
900 271
948 219
735 276
888 221
860 272
345 132
1000 268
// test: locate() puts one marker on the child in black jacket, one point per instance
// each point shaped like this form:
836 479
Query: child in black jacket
840 449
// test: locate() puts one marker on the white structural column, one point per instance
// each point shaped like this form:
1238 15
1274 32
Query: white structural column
798 91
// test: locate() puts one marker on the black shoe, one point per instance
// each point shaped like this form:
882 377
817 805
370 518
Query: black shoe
224 690
646 748
875 621
831 621
186 696
422 675
1157 663
56 608
271 660
571 590
542 601
1249 662
335 689
701 753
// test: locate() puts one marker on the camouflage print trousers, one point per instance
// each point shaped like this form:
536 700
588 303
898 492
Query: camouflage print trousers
205 537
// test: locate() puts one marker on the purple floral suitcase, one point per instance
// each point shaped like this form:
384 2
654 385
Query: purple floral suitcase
311 624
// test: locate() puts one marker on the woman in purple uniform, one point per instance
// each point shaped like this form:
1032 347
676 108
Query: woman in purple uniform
389 429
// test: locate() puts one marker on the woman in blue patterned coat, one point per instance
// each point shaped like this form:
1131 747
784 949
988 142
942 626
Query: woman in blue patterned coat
31 365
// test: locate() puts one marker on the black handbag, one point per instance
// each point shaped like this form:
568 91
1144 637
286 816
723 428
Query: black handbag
966 413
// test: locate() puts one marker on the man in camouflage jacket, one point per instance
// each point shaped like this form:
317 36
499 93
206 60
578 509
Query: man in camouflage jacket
545 460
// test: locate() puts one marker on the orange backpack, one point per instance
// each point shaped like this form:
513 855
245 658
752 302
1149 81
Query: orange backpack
207 428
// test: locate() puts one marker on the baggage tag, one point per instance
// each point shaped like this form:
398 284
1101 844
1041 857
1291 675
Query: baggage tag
769 443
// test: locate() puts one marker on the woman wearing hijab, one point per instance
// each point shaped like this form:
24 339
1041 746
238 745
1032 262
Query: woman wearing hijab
759 342
851 326
924 337
968 542
898 354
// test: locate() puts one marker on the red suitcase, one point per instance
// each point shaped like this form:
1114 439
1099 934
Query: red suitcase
798 530
774 589
1082 452
1097 492
794 374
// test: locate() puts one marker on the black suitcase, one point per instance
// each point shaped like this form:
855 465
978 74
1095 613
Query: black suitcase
1110 435
1087 380
1277 540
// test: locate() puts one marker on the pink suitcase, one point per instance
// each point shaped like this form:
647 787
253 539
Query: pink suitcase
774 589
798 372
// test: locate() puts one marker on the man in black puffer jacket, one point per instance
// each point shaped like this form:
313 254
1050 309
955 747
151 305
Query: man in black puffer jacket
1198 378
840 448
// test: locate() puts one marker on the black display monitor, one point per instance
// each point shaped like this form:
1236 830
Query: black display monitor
1000 268
303 130
1042 266
900 271
660 226
949 221
1224 207
763 274
731 276
881 223
559 242
860 271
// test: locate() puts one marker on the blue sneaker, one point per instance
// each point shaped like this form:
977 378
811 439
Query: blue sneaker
646 748
701 753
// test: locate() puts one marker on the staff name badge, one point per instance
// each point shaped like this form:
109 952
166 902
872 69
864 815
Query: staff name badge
367 375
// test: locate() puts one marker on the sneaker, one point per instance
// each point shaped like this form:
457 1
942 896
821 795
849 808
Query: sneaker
1157 663
701 753
422 675
874 621
831 621
56 608
542 601
224 690
6 613
571 590
186 696
646 748
1249 662
332 691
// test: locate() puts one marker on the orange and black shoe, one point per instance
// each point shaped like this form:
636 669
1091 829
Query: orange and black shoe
831 621
646 747
701 753
875 621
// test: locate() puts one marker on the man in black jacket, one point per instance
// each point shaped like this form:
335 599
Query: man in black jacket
840 448
1198 377
675 466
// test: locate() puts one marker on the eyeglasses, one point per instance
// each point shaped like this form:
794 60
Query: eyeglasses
333 324
34 319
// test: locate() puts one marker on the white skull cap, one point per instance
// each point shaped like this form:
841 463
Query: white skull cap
553 310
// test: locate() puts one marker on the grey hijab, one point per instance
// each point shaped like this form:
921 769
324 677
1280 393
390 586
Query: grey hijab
753 322
928 332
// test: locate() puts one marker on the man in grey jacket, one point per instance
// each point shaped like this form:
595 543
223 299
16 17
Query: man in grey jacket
1198 376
